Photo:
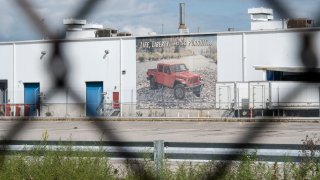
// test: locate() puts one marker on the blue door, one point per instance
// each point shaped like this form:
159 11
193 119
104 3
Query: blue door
31 98
93 97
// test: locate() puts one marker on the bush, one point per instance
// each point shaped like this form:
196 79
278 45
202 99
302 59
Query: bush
48 114
41 163
66 163
141 58
139 114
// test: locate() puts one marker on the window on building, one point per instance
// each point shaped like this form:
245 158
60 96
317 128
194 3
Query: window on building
274 75
291 76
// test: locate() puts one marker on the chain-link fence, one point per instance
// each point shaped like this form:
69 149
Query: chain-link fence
59 69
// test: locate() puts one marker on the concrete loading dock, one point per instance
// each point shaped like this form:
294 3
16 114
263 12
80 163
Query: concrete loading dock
267 98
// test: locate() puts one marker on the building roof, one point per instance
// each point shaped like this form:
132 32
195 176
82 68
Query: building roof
302 30
287 68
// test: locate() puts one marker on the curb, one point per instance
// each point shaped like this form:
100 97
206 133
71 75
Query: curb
162 119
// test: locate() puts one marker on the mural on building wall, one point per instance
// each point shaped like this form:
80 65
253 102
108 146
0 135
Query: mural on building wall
176 72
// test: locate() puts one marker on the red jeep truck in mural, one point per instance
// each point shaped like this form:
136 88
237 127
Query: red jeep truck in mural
176 76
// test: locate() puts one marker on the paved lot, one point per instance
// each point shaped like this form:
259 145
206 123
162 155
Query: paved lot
218 132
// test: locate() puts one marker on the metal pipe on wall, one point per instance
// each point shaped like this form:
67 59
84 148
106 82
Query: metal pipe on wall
120 87
182 14
244 57
14 75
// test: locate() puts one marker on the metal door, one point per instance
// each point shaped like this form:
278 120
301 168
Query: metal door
3 91
94 93
2 96
224 97
31 98
258 94
115 99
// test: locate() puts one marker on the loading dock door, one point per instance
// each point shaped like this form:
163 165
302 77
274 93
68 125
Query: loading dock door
94 92
31 98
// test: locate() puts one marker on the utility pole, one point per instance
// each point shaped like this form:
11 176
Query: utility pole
43 32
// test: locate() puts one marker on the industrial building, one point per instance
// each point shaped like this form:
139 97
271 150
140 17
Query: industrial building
240 71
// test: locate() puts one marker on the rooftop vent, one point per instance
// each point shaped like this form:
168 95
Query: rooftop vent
107 32
261 14
124 34
300 23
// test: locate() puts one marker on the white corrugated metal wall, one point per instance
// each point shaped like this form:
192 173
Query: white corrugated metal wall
87 61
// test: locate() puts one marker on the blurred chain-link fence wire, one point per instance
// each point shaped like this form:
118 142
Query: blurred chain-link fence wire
59 70
310 61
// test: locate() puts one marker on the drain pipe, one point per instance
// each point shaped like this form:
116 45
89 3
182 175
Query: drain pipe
120 87
14 75
244 56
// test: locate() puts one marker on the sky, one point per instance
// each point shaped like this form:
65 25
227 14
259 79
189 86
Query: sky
142 16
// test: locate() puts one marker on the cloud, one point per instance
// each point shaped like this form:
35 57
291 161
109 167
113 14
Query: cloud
7 27
309 8
137 30
138 16
127 7
298 8
122 14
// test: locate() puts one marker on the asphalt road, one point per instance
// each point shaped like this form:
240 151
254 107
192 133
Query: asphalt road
215 132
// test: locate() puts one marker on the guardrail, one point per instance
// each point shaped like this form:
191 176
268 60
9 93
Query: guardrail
158 150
